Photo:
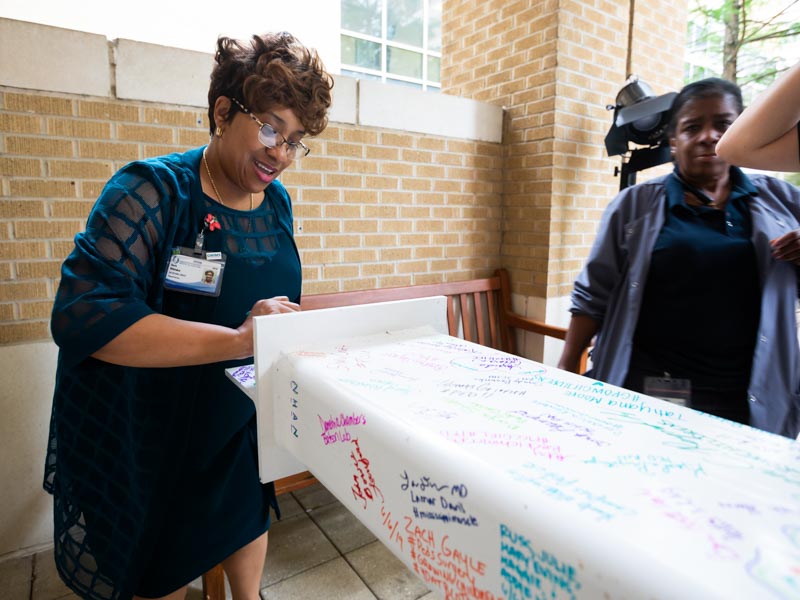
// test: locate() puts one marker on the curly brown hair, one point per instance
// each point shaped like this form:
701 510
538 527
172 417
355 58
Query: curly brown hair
274 69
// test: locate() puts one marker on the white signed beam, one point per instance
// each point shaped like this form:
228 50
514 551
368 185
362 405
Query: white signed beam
277 334
492 476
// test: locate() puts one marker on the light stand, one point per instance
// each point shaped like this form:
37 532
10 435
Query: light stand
640 159
641 118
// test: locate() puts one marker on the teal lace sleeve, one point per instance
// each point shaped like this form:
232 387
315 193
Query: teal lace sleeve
111 279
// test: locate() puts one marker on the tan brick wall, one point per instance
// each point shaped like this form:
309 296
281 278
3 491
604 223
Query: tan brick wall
659 59
378 208
555 65
373 208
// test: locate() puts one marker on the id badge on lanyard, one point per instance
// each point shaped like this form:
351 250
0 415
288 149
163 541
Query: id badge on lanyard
671 389
195 271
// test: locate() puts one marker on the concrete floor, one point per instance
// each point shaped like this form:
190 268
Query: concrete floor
317 550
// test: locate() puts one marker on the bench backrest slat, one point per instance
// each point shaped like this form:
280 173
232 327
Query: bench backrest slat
493 312
473 311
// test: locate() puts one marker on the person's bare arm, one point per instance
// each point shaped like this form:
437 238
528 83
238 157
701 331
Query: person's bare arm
580 332
765 134
162 341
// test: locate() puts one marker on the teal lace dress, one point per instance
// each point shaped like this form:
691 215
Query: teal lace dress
153 471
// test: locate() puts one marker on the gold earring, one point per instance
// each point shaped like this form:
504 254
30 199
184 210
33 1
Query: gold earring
218 131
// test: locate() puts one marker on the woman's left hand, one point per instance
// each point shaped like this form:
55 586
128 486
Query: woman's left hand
787 247
266 306
271 306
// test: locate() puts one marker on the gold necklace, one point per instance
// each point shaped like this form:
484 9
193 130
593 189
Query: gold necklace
214 185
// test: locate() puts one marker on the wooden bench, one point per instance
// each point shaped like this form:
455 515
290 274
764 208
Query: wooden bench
478 310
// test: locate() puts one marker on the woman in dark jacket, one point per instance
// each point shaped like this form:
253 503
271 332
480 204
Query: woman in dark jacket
691 284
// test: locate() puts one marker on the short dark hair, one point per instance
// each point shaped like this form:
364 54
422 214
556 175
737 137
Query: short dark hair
710 87
274 69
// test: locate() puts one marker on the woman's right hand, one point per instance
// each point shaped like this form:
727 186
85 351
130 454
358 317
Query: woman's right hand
161 341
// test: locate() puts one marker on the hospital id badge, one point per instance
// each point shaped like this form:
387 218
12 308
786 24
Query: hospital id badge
195 273
671 389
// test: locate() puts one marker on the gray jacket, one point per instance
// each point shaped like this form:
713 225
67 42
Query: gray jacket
610 288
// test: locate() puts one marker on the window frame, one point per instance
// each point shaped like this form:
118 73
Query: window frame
424 83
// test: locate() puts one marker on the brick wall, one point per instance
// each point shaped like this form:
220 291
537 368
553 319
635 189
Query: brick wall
386 208
373 207
554 66
659 43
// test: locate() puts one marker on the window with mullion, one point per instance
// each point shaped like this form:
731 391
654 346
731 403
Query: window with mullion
400 39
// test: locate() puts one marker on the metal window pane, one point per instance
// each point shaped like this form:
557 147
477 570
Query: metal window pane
400 23
403 62
435 25
361 53
434 69
362 16
404 20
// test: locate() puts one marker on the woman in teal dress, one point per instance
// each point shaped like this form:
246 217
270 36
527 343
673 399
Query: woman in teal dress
152 451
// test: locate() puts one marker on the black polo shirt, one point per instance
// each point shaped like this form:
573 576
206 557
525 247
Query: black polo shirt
701 302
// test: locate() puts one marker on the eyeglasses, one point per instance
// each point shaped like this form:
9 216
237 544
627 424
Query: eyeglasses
269 137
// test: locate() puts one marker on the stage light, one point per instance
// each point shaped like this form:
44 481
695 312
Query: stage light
640 118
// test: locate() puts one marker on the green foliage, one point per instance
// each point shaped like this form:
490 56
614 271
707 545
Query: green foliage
793 178
747 41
